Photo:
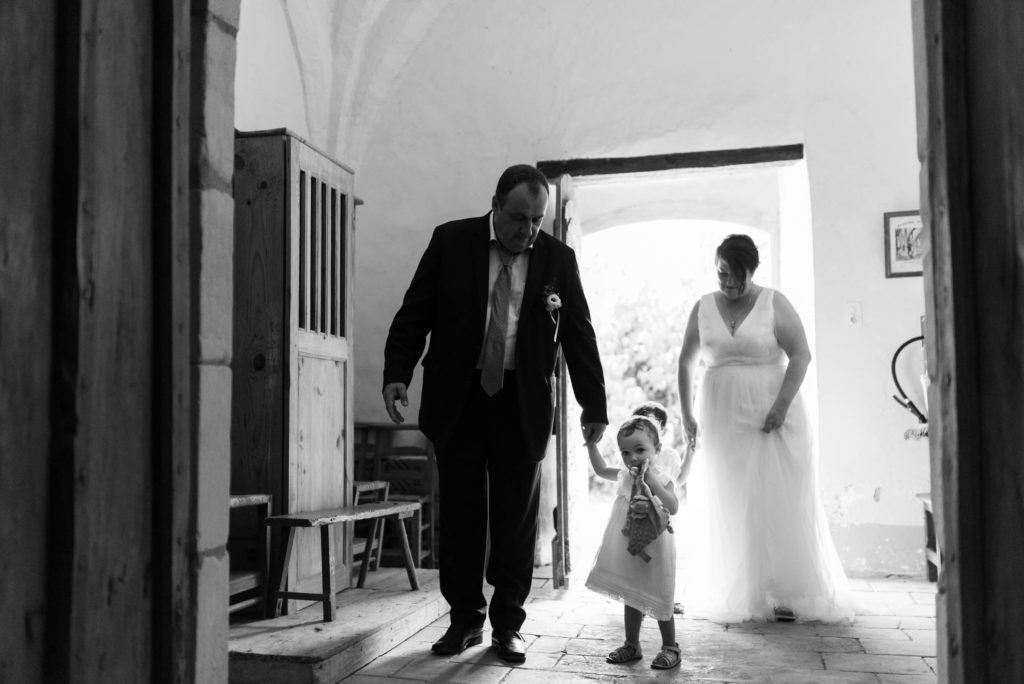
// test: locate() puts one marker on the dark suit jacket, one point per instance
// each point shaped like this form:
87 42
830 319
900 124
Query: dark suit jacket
448 299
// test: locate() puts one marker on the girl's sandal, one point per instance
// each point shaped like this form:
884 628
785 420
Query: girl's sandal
626 653
667 658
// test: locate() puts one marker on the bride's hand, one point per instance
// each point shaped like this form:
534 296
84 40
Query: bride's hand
775 418
690 430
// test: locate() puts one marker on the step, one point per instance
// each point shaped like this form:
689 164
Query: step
303 648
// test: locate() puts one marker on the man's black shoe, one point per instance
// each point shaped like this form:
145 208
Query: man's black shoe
457 639
510 645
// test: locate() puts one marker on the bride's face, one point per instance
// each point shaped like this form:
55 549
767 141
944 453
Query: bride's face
636 448
732 285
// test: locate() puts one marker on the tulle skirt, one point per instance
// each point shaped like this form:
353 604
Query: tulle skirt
760 535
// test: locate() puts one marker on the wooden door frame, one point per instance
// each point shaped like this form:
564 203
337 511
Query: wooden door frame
967 55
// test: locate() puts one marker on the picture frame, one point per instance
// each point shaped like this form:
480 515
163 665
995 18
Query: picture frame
903 234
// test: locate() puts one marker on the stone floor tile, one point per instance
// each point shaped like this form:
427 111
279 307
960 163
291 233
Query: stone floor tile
927 599
893 647
360 678
546 628
385 666
861 632
907 679
918 610
440 670
596 666
430 634
815 644
917 623
531 677
591 647
549 644
825 677
877 621
893 598
926 635
862 662
779 628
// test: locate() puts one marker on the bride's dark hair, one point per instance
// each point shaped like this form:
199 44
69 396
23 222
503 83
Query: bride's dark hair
740 252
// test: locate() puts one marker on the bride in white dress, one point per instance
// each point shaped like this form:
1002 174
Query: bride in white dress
768 553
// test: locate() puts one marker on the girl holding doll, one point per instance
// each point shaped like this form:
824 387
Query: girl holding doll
636 561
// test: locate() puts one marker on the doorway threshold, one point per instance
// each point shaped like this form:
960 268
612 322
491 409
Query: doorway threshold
303 648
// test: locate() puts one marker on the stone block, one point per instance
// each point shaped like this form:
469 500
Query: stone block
212 618
214 462
215 262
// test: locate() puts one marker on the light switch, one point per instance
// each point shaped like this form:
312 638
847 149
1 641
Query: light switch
852 314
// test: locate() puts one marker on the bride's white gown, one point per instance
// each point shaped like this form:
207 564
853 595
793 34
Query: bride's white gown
755 495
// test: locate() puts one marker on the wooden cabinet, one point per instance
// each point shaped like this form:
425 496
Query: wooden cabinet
291 418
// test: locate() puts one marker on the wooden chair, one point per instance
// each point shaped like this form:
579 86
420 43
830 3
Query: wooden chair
249 576
403 457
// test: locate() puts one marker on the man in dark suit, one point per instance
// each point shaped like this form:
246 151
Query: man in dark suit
498 298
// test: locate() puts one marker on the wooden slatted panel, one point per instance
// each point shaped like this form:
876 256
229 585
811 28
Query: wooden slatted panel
323 290
315 247
335 259
303 249
341 250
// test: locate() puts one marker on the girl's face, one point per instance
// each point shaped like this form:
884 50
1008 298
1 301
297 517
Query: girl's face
636 448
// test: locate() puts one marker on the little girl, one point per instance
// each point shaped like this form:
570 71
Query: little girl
644 582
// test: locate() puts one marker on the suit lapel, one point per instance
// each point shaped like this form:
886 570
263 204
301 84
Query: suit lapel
534 279
481 258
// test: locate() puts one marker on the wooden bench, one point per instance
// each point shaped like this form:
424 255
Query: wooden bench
324 519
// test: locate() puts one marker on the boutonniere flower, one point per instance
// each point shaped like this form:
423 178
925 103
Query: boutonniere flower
552 303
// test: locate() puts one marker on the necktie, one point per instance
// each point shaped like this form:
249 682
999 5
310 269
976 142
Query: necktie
492 367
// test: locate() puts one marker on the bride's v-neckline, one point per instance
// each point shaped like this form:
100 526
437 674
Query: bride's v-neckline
738 320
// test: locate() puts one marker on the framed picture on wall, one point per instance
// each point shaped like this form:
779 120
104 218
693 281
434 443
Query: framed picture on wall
903 246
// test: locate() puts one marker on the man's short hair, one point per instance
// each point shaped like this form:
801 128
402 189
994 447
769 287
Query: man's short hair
516 174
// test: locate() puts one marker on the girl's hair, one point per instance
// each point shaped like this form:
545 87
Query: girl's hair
653 410
740 252
634 423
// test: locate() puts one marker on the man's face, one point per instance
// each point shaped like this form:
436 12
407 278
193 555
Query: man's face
517 222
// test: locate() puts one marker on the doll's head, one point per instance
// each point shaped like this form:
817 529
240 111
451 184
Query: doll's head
655 411
639 440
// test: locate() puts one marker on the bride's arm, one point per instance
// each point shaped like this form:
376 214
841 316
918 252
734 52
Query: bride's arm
789 330
687 359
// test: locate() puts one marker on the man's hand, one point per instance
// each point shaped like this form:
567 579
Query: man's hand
393 391
592 432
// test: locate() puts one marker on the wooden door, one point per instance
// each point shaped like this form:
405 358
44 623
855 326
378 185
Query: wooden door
319 430
567 229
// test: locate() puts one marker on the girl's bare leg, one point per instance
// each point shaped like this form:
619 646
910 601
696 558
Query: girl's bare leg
633 618
668 631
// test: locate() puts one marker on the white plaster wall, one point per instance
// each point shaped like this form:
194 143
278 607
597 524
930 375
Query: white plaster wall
487 83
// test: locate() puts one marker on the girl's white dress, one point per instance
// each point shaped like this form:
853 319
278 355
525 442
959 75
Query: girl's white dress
755 495
648 587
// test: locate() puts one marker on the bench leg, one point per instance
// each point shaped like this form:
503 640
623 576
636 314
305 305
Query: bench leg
327 571
366 554
410 569
417 536
281 575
